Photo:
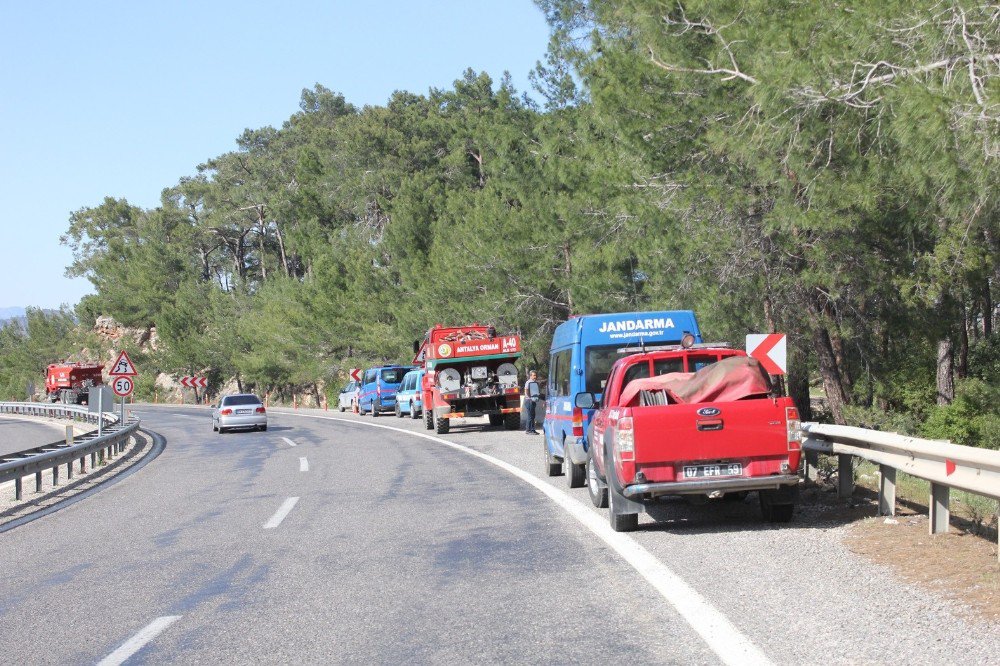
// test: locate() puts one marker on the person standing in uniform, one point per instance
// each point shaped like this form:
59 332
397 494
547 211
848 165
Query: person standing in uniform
531 393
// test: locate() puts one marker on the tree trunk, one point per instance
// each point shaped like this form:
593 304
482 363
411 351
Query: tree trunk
836 397
568 267
798 386
945 373
962 367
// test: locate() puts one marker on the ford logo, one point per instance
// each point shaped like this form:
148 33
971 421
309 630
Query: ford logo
709 411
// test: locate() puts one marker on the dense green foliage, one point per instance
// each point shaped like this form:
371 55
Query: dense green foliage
826 170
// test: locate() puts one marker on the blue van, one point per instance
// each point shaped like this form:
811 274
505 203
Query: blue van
408 398
580 359
378 388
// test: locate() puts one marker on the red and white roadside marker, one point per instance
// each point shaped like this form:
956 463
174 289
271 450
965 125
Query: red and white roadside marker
355 374
770 350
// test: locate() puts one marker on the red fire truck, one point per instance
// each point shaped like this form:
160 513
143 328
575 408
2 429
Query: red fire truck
470 372
71 382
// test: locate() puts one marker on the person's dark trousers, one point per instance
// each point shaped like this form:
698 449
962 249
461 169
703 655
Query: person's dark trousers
529 422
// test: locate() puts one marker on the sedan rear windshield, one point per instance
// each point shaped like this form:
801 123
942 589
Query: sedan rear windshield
393 375
241 400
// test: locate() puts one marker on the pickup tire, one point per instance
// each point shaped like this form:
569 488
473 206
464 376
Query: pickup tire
576 475
621 522
774 512
553 467
511 421
441 426
596 488
429 419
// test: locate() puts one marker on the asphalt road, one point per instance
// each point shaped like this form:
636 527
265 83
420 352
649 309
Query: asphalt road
363 544
18 435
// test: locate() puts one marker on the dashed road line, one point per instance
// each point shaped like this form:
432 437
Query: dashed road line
303 465
137 642
288 441
715 629
279 515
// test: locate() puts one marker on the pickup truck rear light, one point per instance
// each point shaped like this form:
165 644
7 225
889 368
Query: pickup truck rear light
260 410
577 422
625 439
793 426
225 412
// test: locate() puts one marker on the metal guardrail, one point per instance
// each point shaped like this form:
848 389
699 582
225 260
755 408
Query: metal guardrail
18 465
943 464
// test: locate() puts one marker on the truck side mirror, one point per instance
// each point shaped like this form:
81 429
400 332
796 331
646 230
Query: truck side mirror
584 400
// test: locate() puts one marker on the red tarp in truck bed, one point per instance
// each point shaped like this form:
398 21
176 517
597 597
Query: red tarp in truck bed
732 378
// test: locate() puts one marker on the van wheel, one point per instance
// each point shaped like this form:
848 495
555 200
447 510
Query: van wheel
595 487
399 412
341 408
575 474
374 410
413 412
553 467
442 425
429 419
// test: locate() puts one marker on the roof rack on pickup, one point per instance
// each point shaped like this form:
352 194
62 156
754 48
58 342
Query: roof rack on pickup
698 345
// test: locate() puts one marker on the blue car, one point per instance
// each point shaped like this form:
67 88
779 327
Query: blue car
580 359
378 388
409 398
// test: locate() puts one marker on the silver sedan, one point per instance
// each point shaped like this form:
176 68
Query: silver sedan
243 410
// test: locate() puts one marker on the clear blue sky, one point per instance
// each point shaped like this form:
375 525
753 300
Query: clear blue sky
121 99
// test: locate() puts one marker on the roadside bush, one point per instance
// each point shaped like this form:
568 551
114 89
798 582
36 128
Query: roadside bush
973 419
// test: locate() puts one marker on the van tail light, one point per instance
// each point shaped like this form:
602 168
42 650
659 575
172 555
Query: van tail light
577 422
260 410
226 412
625 439
793 426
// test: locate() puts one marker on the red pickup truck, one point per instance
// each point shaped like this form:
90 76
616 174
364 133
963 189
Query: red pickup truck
703 420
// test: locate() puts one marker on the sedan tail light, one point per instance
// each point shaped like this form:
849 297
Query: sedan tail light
225 412
260 410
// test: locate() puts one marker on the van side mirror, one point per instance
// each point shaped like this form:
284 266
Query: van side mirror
584 400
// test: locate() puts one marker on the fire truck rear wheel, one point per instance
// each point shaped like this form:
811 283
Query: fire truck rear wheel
496 419
429 419
512 421
442 425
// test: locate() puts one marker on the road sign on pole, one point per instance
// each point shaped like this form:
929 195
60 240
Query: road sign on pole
123 367
355 374
770 350
122 386
191 381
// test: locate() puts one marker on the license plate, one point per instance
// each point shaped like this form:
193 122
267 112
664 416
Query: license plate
243 411
708 471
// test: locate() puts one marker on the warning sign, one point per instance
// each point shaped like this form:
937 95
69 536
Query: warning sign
123 366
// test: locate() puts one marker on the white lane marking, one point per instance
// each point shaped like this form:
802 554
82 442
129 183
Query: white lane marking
288 441
303 465
279 515
721 635
137 642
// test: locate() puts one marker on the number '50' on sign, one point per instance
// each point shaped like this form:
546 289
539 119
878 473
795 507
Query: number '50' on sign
122 386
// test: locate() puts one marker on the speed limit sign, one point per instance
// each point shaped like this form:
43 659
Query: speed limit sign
122 386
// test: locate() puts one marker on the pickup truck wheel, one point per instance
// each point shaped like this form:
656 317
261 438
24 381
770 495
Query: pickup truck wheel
552 466
441 425
597 490
773 512
511 421
576 475
429 419
621 522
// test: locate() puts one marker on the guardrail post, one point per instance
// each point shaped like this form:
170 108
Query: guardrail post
845 474
55 475
18 488
811 466
69 442
939 508
886 490
38 482
83 464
